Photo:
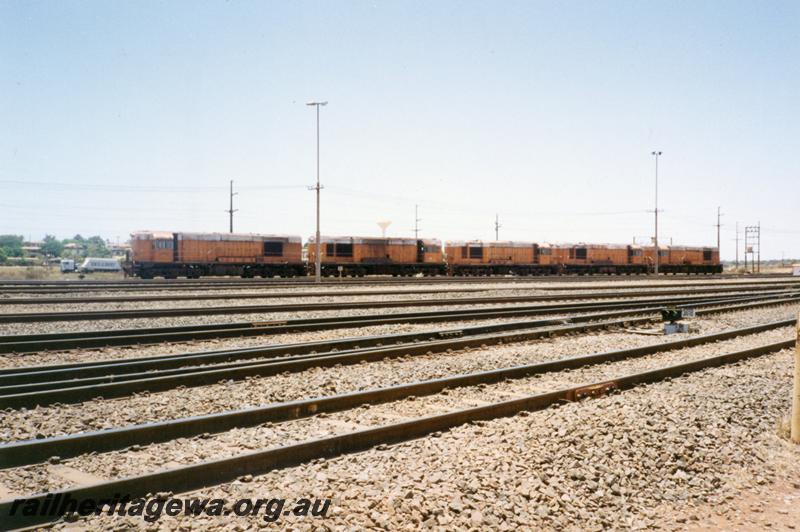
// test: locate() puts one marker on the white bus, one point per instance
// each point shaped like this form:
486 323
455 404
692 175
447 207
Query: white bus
100 265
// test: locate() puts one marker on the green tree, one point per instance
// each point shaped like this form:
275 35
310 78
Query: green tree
3 256
96 247
52 246
12 245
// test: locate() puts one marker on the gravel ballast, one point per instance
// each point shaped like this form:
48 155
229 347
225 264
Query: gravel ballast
183 402
654 456
187 451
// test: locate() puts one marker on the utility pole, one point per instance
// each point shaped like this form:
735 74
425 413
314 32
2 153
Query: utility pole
231 210
497 227
795 416
759 246
719 215
317 258
656 154
752 239
417 220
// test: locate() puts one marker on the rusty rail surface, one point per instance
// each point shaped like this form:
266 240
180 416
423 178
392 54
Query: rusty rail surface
90 315
33 451
585 293
29 395
119 337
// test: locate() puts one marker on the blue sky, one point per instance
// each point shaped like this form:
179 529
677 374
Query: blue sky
118 116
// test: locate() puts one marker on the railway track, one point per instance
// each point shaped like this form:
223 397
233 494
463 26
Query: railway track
237 295
119 384
10 286
122 337
593 294
72 383
91 315
215 471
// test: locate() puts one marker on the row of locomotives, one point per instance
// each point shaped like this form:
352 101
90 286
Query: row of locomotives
358 256
194 255
480 258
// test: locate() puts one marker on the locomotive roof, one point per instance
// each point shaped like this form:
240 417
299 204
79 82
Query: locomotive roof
594 246
213 237
489 244
373 240
693 248
150 235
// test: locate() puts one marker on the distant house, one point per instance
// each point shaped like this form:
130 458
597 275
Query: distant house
118 250
32 249
74 247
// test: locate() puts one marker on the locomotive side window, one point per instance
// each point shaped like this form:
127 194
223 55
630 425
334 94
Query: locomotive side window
273 249
475 253
545 251
329 250
580 253
162 244
662 253
706 254
464 252
636 253
344 250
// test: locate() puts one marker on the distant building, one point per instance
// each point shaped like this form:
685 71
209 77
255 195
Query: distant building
118 250
74 247
32 249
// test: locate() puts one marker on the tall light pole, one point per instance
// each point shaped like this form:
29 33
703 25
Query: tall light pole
317 258
656 154
231 210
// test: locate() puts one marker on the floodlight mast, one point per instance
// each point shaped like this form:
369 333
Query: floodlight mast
656 154
317 258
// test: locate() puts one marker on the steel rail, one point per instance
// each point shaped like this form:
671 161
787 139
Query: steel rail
687 285
241 295
620 292
101 368
204 474
26 452
79 390
120 337
376 279
50 372
222 284
373 278
40 317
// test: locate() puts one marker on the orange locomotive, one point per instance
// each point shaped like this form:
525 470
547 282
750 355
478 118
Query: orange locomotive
358 256
192 255
499 258
684 259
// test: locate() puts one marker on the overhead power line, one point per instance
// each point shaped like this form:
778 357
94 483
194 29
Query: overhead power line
142 188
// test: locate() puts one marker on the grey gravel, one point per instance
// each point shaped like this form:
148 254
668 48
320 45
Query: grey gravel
101 414
638 459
